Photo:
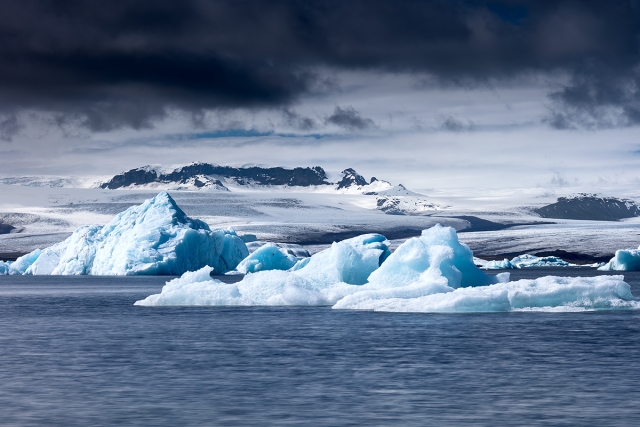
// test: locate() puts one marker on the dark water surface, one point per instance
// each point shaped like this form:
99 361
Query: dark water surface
74 351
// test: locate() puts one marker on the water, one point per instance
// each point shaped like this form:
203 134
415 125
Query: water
74 351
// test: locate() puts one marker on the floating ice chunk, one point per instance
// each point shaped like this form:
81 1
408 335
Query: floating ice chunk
20 265
196 288
624 260
4 267
300 264
290 248
273 287
433 273
544 294
437 252
350 261
498 265
267 257
528 260
479 262
156 237
320 280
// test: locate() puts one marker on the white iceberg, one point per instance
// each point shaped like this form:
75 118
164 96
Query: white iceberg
432 273
527 260
505 264
544 294
623 260
267 257
20 265
320 280
524 261
290 248
156 237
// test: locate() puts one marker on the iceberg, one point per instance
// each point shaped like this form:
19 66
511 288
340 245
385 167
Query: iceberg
290 248
498 265
20 265
5 267
431 273
524 261
544 294
436 251
267 257
528 260
156 237
623 260
319 280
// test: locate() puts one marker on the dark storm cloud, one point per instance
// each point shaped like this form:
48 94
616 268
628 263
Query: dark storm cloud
114 63
451 124
9 127
297 121
348 118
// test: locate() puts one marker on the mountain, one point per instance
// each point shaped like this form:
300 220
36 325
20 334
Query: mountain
214 177
398 190
590 207
254 175
351 178
6 228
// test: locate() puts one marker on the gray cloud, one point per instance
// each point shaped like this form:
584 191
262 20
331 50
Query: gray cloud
597 97
123 63
9 127
451 124
348 118
297 121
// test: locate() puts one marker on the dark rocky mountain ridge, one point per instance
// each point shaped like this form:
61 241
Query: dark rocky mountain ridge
303 177
591 207
350 178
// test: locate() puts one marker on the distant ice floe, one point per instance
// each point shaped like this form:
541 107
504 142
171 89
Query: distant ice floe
523 261
156 237
624 260
431 273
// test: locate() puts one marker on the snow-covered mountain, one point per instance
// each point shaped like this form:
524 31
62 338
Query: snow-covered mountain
592 207
201 175
206 176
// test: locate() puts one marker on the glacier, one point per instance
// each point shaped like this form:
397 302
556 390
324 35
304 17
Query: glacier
154 238
430 273
623 260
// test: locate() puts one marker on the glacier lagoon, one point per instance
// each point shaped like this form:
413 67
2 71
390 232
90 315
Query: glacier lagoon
268 349
77 352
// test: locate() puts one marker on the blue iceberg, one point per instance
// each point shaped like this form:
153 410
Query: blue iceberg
432 273
156 237
267 257
623 260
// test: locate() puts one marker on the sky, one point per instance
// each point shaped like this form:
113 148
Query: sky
432 94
